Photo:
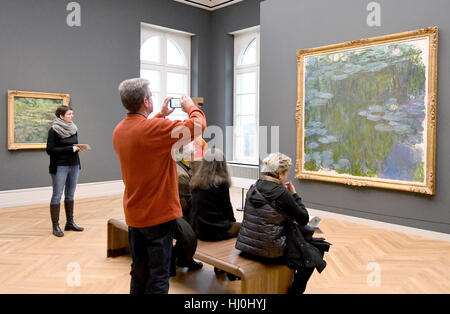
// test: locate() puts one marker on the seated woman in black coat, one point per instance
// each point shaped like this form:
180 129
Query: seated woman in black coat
272 207
212 214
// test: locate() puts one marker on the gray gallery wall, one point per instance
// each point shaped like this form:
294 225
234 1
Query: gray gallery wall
288 25
39 52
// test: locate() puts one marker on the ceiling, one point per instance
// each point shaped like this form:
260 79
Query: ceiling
209 5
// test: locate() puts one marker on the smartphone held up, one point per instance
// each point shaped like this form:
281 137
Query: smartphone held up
175 103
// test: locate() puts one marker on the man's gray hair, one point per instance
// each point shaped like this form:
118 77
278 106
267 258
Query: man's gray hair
133 92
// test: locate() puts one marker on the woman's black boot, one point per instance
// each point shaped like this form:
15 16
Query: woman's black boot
54 214
70 224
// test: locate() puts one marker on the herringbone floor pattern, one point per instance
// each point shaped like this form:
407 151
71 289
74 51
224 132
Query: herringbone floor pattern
362 259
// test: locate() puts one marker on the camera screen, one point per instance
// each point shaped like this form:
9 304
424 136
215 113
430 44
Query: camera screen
175 103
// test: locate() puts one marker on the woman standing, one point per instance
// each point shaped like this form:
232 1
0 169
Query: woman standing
212 214
64 167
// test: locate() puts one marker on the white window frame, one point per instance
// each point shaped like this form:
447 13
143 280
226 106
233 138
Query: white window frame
242 40
183 41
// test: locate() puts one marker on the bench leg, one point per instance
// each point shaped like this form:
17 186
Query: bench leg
274 281
117 241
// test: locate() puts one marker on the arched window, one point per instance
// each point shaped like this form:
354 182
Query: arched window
248 54
246 97
175 55
151 49
165 62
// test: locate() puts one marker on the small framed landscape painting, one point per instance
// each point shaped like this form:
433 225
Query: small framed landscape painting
366 112
30 116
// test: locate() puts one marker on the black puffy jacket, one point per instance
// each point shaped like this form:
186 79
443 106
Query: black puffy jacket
269 207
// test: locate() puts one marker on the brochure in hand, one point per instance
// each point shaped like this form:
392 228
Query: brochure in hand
84 146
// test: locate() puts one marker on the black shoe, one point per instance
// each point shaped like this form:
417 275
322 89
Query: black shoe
192 265
232 277
73 227
218 271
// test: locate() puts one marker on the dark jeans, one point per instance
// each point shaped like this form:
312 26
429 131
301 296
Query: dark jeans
151 249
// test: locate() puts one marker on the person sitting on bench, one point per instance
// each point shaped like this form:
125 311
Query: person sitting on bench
212 214
272 208
184 249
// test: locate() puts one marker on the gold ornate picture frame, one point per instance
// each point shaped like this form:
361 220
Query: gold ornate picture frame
30 116
366 112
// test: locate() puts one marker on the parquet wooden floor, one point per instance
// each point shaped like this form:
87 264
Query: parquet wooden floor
362 259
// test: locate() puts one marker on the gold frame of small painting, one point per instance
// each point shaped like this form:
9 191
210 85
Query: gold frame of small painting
30 115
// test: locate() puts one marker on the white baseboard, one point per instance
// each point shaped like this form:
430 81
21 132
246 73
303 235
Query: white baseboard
24 197
380 224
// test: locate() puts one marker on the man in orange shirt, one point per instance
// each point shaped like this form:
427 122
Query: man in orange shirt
151 199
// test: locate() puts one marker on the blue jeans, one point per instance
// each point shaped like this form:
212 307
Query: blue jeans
65 179
151 250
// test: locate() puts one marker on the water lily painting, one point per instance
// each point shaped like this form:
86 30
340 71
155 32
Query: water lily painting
30 116
366 112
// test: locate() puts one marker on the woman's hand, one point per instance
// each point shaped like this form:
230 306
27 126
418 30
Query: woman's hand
290 187
78 149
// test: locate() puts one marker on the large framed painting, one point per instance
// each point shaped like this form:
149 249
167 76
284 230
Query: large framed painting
366 112
30 116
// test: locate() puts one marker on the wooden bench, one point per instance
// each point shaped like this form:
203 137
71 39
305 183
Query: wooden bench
256 277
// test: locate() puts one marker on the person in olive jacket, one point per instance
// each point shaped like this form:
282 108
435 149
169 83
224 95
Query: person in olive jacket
64 167
186 239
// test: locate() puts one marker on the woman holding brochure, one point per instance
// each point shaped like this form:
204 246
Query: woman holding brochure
63 148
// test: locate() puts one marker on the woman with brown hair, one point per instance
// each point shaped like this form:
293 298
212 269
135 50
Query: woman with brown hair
212 214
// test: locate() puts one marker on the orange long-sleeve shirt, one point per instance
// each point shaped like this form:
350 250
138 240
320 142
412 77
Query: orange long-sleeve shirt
148 170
